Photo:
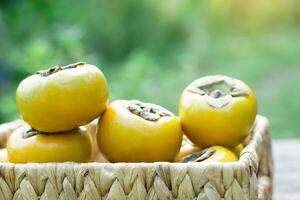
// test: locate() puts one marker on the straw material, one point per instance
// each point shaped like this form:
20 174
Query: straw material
249 178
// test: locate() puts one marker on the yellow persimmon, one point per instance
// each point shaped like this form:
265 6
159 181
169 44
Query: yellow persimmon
30 146
132 131
217 110
212 154
62 98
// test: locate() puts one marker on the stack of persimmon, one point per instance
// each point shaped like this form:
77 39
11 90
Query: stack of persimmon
55 103
216 114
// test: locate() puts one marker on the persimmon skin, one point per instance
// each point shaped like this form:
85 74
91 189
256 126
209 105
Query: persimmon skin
63 100
127 137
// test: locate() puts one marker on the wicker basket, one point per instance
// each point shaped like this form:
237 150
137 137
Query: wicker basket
249 178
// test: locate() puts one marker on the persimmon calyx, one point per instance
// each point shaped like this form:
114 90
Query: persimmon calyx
218 91
146 111
199 155
55 69
32 132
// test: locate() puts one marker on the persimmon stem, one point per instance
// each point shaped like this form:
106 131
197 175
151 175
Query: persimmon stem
216 93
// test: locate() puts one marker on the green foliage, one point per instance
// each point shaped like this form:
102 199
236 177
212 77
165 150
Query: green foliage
150 50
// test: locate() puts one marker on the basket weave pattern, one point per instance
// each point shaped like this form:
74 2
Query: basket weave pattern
249 178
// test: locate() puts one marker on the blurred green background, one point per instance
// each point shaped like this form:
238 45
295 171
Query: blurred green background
150 50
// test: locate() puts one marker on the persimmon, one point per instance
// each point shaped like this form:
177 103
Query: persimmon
132 131
26 145
212 154
62 98
217 110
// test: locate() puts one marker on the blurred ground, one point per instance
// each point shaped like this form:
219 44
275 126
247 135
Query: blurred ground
150 50
287 169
